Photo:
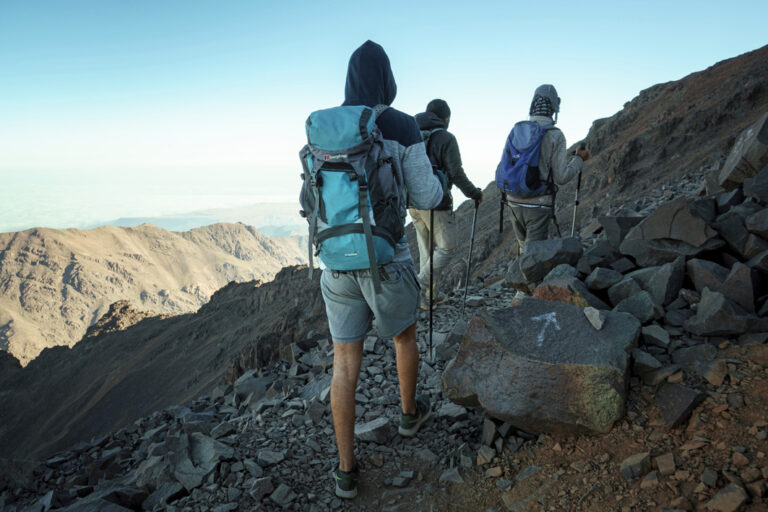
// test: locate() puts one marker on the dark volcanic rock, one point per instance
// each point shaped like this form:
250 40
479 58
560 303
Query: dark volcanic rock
675 402
671 231
602 278
757 187
748 155
718 316
531 366
735 284
541 257
616 228
641 306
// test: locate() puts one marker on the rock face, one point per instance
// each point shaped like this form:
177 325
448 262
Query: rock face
748 156
671 231
542 367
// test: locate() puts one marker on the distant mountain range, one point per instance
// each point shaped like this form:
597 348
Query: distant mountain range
270 219
54 284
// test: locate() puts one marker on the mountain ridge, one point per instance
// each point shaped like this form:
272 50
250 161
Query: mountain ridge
54 284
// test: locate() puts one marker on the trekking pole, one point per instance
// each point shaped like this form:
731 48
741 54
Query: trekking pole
469 258
501 212
431 272
576 202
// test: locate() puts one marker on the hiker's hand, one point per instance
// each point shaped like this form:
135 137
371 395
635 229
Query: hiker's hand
583 153
480 198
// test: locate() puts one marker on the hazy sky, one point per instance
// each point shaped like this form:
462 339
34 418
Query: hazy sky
211 97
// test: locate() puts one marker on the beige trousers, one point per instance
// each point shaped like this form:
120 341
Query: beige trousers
444 237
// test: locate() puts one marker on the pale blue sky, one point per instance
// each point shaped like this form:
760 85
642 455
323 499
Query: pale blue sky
122 102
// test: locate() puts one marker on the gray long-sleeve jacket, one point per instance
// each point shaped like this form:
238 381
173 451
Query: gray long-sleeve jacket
552 158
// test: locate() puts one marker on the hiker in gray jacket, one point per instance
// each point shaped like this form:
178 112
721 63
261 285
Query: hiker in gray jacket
443 152
531 216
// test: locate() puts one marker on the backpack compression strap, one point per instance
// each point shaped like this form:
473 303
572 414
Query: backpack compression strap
362 187
312 214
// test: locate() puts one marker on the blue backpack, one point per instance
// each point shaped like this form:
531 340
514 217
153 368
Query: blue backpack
352 193
518 171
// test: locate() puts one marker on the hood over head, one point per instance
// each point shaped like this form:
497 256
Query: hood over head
369 77
430 121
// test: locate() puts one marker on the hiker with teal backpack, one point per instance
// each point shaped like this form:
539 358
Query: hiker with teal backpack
533 164
360 159
443 152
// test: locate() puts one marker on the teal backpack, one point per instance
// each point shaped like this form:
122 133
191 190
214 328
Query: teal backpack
352 192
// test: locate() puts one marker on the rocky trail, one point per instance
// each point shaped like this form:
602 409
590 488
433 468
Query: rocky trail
623 370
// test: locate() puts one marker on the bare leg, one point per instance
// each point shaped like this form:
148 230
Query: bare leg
346 369
407 353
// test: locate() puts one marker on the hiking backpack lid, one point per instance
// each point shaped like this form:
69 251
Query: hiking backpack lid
351 194
518 171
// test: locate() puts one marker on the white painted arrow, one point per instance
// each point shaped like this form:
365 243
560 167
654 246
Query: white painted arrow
548 319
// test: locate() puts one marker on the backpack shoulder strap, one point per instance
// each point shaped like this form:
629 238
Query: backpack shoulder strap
379 109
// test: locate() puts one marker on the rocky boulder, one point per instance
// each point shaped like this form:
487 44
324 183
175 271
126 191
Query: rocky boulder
542 367
671 231
540 258
748 155
736 283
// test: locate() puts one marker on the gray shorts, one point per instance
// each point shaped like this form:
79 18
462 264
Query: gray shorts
351 302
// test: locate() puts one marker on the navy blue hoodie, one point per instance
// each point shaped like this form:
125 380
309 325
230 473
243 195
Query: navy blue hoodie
370 82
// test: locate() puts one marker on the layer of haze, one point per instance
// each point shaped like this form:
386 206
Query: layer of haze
112 109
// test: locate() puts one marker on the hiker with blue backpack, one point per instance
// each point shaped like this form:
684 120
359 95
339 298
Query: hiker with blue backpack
533 164
443 152
360 159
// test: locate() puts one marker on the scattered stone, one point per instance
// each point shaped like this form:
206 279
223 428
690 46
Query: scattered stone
624 289
451 476
709 477
643 362
735 284
729 499
655 335
717 316
485 455
635 466
540 257
596 317
269 458
676 402
651 480
616 228
527 473
713 372
283 495
739 459
377 431
489 431
666 463
602 278
702 352
494 472
641 306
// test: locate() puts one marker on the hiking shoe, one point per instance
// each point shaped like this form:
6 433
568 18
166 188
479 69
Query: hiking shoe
410 423
346 482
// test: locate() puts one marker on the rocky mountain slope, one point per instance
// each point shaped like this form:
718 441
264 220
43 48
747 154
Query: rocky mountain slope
662 144
55 283
687 264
